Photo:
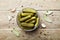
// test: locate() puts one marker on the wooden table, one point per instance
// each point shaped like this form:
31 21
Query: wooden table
52 30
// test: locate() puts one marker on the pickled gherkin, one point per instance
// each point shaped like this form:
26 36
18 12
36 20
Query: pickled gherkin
30 19
33 21
24 18
27 24
25 14
29 10
37 22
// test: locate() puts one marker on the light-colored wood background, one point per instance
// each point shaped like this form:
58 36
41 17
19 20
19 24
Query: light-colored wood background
52 30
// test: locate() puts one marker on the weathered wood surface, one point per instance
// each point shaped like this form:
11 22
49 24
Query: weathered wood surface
52 30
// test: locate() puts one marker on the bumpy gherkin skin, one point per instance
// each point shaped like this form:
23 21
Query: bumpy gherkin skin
37 22
26 14
33 21
27 24
24 18
32 18
29 10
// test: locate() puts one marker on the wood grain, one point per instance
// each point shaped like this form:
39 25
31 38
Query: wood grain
52 30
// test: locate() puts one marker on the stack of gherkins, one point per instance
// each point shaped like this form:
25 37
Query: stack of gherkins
28 19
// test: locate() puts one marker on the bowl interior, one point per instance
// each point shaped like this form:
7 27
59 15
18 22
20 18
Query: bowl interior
18 23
